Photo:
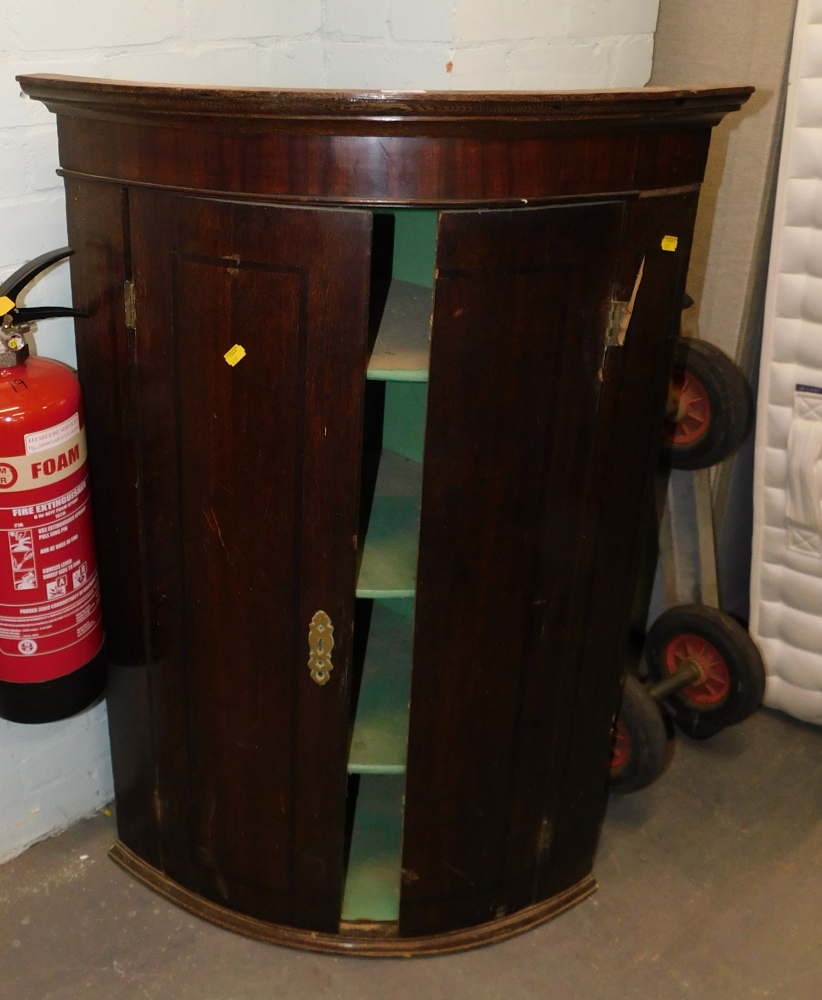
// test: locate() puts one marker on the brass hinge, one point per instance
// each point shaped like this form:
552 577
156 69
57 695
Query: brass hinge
619 317
130 302
618 314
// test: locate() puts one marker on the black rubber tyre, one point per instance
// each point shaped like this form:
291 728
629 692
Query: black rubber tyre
711 406
733 673
640 750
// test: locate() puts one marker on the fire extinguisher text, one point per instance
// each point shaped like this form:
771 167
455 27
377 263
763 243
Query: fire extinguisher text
52 465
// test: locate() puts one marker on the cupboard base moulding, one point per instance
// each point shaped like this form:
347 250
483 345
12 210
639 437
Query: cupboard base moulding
366 942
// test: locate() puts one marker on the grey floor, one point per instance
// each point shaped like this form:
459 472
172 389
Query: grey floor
710 888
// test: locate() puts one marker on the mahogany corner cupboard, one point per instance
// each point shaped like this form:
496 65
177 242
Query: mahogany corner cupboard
374 387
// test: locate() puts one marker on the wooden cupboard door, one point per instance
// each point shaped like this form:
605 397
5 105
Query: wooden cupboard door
542 440
96 214
250 468
521 306
623 464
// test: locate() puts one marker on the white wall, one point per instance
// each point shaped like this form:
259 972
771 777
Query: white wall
743 41
53 775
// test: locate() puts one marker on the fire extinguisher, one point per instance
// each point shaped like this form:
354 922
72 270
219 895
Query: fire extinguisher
51 633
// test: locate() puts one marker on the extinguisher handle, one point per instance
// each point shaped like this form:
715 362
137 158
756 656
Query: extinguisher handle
16 282
30 313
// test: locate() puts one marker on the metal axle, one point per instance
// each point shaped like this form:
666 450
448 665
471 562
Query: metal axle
688 672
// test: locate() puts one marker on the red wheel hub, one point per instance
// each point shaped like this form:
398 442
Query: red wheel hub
621 748
715 680
690 409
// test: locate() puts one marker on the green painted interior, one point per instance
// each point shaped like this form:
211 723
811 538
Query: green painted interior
389 561
404 423
388 567
415 249
380 737
387 573
372 882
415 244
418 375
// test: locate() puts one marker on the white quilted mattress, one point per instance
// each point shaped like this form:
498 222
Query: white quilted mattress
786 577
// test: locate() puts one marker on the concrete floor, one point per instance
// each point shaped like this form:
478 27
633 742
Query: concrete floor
710 888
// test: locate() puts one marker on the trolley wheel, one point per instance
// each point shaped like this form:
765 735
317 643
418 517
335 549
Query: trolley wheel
640 747
732 680
710 406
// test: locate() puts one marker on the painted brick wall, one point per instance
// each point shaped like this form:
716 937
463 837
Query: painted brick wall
52 775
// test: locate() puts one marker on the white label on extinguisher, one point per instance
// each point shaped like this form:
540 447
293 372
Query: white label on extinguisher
49 598
44 465
52 437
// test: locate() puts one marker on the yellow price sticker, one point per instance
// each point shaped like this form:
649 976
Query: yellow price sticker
670 243
235 354
6 304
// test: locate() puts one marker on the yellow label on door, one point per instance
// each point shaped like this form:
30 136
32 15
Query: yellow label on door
237 353
5 304
670 243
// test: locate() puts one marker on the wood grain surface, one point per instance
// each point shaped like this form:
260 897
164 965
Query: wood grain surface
228 498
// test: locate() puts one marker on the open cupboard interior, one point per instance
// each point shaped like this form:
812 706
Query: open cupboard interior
403 262
367 583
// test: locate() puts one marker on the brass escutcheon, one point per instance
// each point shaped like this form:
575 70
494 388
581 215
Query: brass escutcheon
320 642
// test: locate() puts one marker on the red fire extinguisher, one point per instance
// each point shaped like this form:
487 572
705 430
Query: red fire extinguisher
51 633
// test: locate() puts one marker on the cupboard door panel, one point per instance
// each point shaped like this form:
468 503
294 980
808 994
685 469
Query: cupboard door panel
520 312
626 460
250 496
98 232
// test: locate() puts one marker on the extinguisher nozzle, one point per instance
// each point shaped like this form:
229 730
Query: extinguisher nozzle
28 314
16 282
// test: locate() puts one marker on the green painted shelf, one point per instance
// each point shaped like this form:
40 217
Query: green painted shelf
380 736
403 345
372 883
388 568
387 573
